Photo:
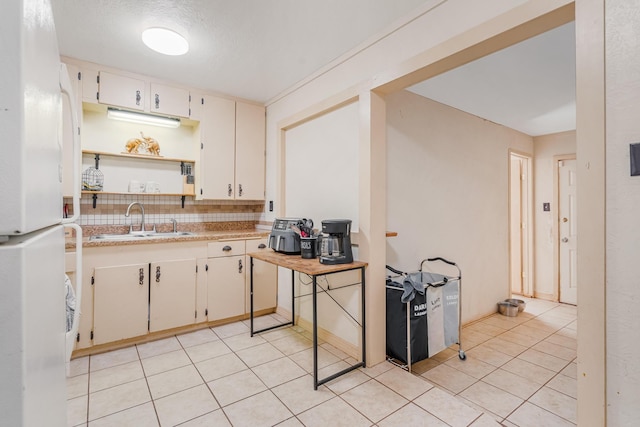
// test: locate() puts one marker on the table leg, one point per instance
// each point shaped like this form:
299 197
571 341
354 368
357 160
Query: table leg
251 292
315 334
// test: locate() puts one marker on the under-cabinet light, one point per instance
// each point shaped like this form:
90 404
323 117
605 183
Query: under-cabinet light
165 41
142 118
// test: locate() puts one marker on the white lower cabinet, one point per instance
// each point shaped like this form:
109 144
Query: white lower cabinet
226 279
121 297
265 276
172 287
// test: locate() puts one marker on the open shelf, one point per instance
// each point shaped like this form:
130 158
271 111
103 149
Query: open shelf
138 156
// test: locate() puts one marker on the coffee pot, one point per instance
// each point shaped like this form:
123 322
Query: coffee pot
335 244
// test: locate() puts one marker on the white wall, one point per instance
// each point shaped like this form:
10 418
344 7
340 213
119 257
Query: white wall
545 148
622 32
447 187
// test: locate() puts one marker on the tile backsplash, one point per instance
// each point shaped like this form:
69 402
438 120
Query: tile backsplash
110 210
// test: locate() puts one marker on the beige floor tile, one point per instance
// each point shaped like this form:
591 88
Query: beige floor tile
291 344
265 321
375 370
529 415
564 339
77 410
450 378
492 398
411 415
570 332
564 384
542 325
485 421
109 377
556 350
79 366
242 341
502 322
512 383
216 418
259 354
524 340
231 329
571 371
173 381
155 348
335 351
235 387
558 403
374 400
298 395
139 416
113 358
278 371
165 362
276 334
543 359
344 382
291 422
507 347
488 355
529 371
208 350
118 398
221 366
77 386
185 405
263 409
405 384
444 355
530 331
473 367
305 359
334 412
472 338
447 408
423 366
480 409
198 337
484 328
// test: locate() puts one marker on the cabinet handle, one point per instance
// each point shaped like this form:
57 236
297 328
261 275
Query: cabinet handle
138 97
227 248
262 246
230 190
239 266
157 101
141 276
158 274
240 190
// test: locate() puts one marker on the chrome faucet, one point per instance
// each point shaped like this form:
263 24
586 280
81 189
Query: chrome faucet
141 209
175 225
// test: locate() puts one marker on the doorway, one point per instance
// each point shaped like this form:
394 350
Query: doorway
566 234
520 229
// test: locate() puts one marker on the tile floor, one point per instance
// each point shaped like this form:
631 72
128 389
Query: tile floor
519 371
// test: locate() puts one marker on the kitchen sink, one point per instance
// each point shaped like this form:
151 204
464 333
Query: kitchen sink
140 236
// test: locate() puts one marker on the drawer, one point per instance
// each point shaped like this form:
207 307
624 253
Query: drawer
225 248
257 245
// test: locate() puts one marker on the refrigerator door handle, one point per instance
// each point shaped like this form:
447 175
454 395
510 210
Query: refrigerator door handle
67 89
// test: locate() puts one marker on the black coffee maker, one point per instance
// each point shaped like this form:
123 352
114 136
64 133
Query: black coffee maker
335 245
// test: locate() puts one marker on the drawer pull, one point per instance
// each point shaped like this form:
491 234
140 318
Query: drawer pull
158 274
227 248
141 276
262 246
239 266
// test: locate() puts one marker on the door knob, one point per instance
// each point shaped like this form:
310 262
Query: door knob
565 240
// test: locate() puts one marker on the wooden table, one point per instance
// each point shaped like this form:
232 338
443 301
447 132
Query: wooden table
313 268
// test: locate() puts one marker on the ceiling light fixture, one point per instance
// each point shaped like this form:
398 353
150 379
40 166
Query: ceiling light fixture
142 118
165 41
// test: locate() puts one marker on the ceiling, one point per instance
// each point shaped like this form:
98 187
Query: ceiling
257 49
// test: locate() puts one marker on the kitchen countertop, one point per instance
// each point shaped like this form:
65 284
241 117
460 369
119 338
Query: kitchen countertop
70 242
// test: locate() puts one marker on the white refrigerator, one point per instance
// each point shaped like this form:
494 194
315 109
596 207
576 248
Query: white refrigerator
34 341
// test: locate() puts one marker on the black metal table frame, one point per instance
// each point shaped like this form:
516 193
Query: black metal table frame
316 382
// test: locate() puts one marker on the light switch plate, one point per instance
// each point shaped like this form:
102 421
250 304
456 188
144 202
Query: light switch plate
635 158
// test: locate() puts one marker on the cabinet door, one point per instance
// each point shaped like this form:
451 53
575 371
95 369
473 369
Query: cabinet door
121 91
250 151
67 133
173 294
121 297
225 280
264 279
169 100
201 290
218 149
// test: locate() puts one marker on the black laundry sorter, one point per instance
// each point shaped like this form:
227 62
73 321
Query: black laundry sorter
417 303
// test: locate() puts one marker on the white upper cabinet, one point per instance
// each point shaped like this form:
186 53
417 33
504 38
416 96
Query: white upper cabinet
250 155
121 91
169 100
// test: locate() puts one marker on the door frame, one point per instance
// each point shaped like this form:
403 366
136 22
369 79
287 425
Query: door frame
528 266
555 231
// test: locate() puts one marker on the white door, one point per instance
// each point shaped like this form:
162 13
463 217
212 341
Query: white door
567 231
519 230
